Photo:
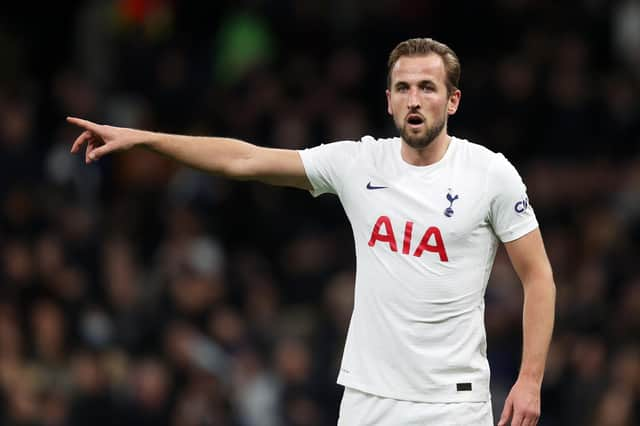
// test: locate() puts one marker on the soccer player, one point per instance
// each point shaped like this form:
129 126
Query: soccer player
427 212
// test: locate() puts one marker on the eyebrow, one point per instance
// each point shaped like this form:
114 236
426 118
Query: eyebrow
421 83
427 83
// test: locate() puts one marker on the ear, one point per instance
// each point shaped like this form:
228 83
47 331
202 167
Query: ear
453 102
389 110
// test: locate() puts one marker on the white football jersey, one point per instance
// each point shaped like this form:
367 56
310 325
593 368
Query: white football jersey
425 242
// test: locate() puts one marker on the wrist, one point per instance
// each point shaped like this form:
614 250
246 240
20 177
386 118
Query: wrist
145 139
530 378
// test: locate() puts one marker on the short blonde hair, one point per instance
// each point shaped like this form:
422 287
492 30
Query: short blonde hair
423 47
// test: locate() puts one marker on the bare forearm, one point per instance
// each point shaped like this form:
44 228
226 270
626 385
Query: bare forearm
538 319
216 155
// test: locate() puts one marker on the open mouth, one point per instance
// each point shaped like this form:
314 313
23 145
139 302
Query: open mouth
415 120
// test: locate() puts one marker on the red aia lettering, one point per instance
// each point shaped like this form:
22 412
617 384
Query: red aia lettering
408 230
437 247
431 241
385 238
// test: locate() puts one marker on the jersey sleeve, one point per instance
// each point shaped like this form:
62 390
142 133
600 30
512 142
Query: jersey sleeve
327 165
511 213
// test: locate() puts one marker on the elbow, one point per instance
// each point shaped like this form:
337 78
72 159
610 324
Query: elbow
550 285
546 277
247 164
539 279
551 281
238 169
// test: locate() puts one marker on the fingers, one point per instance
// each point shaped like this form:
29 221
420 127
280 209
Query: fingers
520 418
530 419
80 140
91 146
95 152
85 124
506 413
91 136
517 419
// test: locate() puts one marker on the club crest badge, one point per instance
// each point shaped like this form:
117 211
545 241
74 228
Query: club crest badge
448 212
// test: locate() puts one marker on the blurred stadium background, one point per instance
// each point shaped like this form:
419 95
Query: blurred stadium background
137 292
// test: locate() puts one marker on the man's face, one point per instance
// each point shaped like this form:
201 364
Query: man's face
418 100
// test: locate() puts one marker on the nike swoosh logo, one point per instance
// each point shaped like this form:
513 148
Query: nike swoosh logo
369 186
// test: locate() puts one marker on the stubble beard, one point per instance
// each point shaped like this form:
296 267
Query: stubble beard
421 141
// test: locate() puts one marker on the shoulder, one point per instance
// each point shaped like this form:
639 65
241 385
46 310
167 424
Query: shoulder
498 172
366 142
344 152
371 142
478 158
367 145
491 170
378 146
475 152
368 139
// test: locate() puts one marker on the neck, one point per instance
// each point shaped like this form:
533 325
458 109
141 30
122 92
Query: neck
428 155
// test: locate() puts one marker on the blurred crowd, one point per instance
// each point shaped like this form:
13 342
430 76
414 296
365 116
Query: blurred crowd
138 292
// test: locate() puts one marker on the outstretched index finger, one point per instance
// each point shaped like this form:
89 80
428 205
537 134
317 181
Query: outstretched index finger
86 124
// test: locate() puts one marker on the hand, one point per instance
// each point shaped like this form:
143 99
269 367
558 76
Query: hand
522 404
102 139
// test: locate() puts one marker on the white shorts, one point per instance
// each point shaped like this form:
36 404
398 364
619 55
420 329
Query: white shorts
360 408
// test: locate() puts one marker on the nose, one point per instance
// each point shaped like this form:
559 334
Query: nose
413 101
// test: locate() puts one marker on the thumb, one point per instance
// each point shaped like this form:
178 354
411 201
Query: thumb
99 152
507 411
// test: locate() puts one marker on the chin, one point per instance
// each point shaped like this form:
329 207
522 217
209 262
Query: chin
417 140
424 137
